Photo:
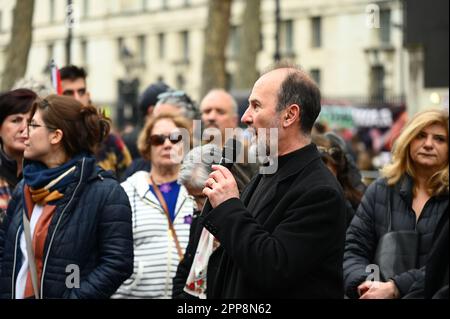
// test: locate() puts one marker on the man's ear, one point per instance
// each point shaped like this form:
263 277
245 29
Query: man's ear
57 136
291 115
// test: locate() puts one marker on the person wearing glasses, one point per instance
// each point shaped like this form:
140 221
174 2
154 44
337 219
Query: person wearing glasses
68 230
112 154
334 158
190 280
162 209
173 102
15 109
146 105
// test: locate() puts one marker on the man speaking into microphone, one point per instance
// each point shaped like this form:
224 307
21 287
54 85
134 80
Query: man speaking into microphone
284 236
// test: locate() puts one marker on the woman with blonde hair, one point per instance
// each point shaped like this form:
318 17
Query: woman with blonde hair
414 190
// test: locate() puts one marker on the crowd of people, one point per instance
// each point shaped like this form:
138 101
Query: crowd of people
151 214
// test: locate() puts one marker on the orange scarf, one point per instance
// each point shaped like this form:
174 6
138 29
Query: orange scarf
40 231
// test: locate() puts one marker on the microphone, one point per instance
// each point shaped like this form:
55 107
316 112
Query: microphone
230 153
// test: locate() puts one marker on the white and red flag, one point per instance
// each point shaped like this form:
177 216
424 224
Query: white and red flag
55 77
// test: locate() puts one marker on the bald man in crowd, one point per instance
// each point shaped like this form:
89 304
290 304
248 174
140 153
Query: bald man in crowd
219 111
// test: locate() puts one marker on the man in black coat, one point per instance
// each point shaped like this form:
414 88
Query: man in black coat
284 238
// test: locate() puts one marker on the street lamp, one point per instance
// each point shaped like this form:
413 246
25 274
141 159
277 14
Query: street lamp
277 56
69 24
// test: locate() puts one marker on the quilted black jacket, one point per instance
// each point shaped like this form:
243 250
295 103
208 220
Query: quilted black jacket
370 223
90 229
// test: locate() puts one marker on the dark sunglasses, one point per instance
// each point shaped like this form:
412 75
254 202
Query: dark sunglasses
159 139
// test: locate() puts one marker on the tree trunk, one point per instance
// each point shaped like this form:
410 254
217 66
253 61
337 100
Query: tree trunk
19 44
216 39
250 45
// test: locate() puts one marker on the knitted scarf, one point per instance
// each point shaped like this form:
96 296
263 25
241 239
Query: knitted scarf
43 186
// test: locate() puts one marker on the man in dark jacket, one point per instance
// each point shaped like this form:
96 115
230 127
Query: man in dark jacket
284 238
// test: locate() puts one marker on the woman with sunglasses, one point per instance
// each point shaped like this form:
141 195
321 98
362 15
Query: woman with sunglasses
15 109
334 158
162 209
67 232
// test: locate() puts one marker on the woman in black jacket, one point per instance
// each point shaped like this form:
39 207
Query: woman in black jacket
67 232
15 109
416 186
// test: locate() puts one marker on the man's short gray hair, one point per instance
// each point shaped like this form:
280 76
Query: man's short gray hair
196 165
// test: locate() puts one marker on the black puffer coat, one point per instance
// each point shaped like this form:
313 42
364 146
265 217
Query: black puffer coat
91 228
370 223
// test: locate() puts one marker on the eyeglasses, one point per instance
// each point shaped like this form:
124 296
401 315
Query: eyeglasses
159 139
334 152
34 125
329 151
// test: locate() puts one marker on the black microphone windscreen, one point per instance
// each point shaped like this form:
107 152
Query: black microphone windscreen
230 152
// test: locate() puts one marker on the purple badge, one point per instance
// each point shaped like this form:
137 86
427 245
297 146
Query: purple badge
188 219
165 188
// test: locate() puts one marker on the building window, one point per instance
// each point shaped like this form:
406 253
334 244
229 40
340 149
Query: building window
161 46
377 83
84 52
50 52
315 74
1 21
120 47
287 37
185 41
52 10
85 8
187 3
385 26
316 27
229 81
142 48
181 82
164 4
234 42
